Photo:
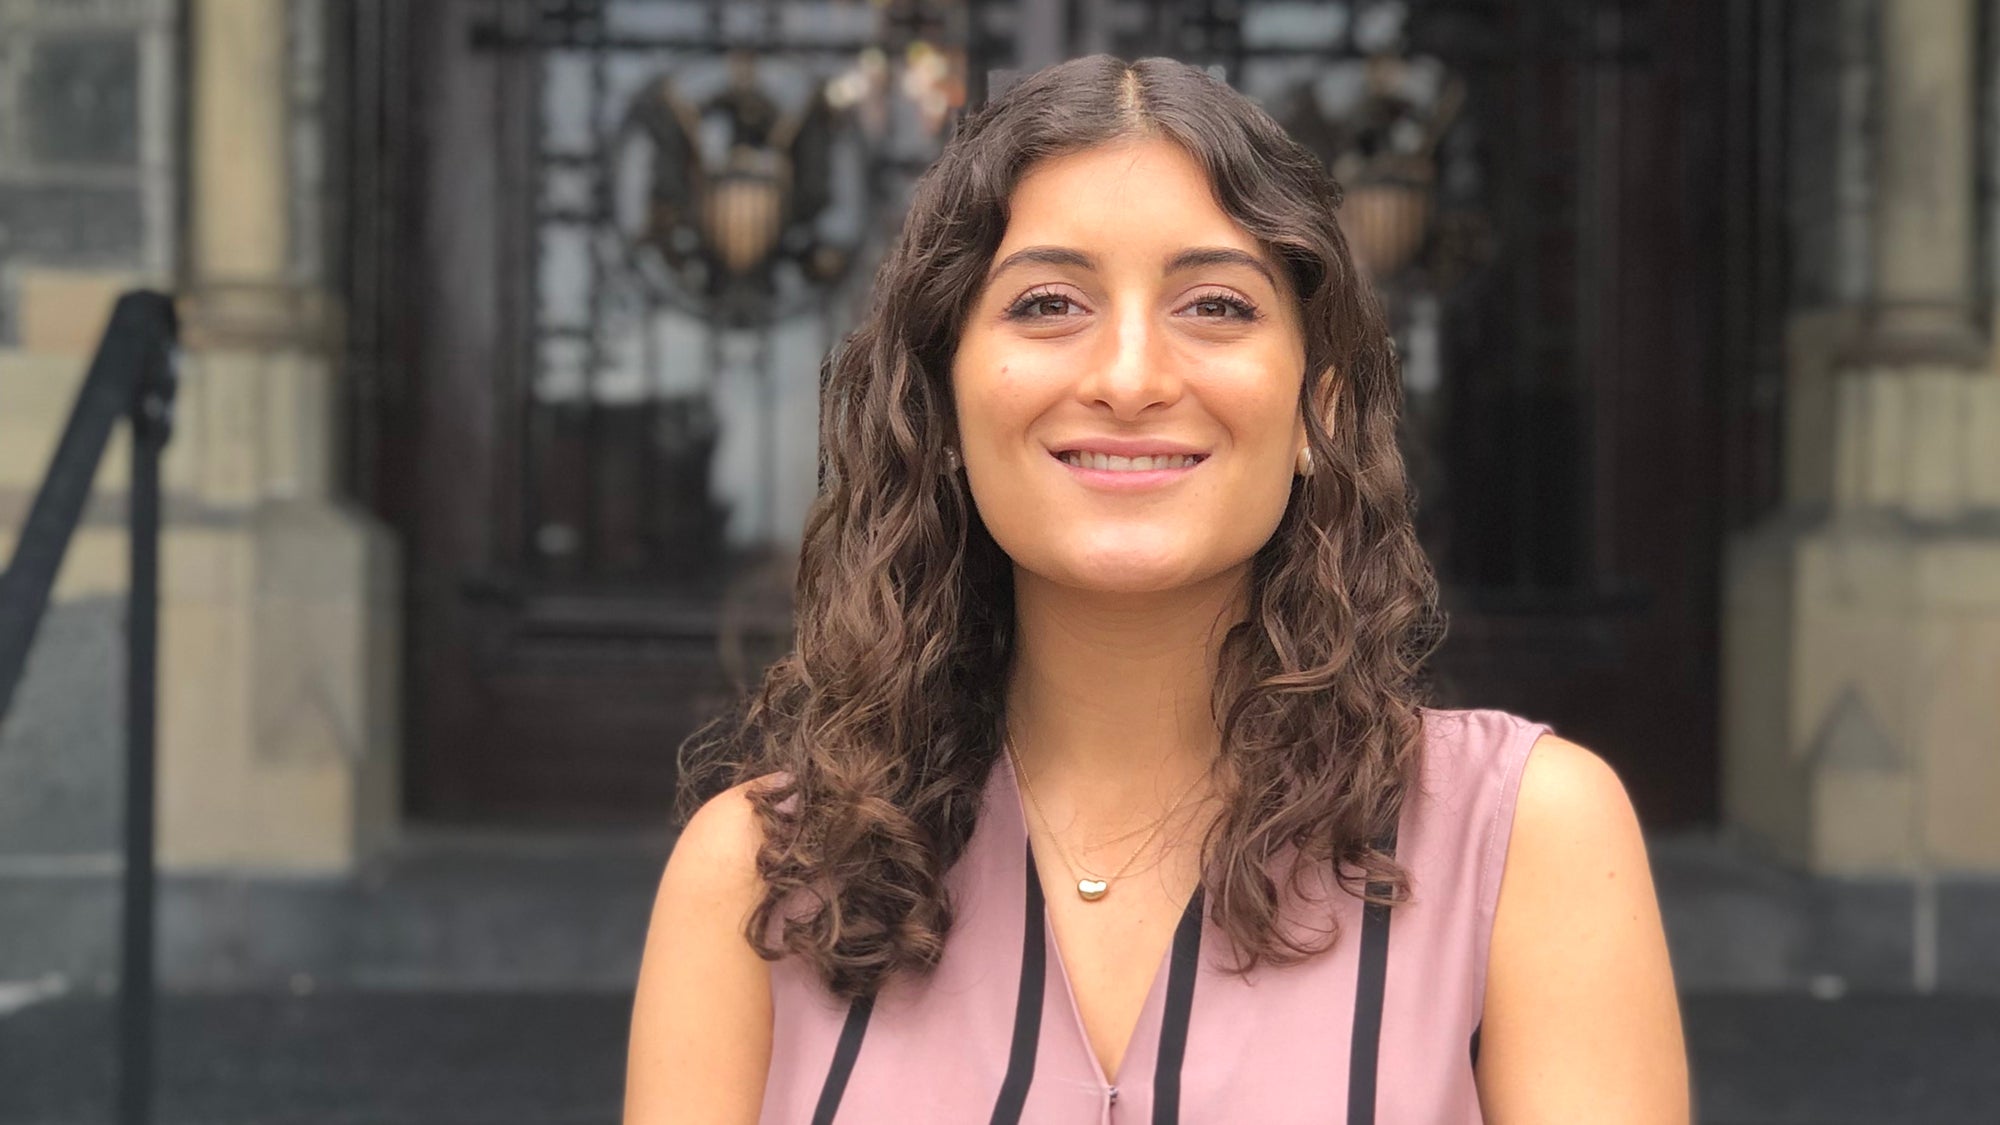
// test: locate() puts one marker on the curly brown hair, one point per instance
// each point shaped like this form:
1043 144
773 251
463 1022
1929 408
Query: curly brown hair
882 723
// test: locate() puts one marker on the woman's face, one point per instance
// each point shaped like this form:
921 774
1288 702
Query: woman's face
1127 381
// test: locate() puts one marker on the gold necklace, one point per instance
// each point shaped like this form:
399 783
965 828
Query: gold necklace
1090 890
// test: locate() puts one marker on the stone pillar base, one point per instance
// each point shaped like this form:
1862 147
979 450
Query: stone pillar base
279 663
1861 701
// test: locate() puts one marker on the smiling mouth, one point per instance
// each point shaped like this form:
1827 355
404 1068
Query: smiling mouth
1107 462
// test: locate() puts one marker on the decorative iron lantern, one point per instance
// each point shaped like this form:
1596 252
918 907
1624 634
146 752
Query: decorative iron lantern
714 230
1382 150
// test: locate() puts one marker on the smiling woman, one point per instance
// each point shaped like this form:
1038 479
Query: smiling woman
1115 546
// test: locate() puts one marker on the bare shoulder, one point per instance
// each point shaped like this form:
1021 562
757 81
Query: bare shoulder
1581 1020
717 849
701 1016
1569 790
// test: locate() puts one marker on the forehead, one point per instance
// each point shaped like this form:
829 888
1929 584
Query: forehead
1128 199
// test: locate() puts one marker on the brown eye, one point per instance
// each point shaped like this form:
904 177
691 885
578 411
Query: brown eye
1040 306
1222 306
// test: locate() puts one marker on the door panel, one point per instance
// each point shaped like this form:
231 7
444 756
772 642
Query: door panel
642 222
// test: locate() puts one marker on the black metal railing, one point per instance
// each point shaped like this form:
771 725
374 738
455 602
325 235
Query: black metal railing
132 374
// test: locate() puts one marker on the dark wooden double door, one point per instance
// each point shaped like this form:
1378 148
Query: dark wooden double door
1571 441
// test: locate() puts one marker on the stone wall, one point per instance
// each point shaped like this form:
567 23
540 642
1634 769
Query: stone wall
87 182
279 650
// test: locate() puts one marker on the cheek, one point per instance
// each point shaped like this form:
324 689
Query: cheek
998 395
1261 412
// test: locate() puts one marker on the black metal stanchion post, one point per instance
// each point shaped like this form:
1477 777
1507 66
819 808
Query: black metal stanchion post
152 425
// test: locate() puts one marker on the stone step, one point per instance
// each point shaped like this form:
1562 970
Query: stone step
455 1058
449 909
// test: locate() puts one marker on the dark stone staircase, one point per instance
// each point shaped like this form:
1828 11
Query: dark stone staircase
471 977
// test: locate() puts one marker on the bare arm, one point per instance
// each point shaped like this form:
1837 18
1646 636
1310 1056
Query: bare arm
1581 1021
701 1021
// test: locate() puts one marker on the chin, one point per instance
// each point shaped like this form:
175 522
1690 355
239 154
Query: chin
1128 568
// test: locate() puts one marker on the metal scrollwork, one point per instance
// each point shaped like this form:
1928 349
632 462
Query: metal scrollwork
1382 148
720 199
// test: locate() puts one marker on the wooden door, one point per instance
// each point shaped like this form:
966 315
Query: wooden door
1582 427
629 231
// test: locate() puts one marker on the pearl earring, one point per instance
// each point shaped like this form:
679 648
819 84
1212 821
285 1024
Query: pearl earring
1304 462
950 459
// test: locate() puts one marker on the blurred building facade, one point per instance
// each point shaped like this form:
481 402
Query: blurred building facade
504 318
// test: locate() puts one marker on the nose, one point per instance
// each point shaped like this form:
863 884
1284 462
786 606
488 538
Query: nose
1133 370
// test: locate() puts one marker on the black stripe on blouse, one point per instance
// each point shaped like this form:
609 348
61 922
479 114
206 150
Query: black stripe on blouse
1027 1005
1368 988
844 1053
1182 966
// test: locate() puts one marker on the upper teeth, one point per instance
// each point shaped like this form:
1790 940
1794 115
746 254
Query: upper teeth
1084 459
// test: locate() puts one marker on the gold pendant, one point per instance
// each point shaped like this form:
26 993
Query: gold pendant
1092 889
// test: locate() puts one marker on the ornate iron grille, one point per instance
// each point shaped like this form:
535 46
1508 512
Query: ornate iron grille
709 183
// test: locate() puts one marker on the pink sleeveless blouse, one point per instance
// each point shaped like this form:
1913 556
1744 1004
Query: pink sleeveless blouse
1382 1027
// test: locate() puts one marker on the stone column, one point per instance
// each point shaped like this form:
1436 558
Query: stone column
1924 237
278 651
1862 623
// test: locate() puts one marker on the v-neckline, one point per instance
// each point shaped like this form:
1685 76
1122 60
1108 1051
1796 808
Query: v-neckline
1145 1031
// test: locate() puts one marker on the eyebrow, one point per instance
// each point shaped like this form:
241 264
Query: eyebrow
1194 257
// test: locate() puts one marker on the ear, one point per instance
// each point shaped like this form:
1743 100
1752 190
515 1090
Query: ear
1325 395
1302 452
